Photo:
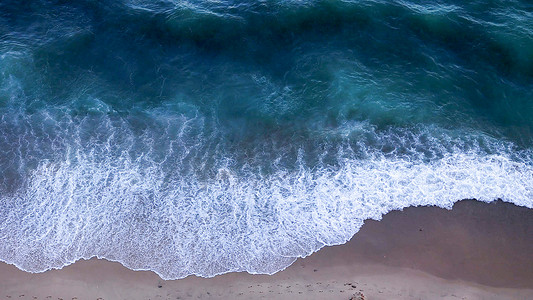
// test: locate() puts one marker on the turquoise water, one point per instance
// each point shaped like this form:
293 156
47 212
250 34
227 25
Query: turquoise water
205 137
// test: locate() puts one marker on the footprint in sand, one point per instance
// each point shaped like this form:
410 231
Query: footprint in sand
357 296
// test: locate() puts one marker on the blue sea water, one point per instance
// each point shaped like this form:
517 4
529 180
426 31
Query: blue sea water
205 137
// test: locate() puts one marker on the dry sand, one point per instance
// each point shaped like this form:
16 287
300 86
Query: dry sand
475 251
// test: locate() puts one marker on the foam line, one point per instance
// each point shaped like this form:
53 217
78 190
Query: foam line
127 213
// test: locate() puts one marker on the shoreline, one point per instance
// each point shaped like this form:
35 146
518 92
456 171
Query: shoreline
476 250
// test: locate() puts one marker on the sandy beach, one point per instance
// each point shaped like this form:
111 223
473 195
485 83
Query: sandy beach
474 251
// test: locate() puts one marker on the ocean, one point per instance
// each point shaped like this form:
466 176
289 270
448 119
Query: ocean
204 137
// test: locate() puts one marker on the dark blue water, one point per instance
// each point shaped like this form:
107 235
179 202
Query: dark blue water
204 137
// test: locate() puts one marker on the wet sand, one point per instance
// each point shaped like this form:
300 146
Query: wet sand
475 251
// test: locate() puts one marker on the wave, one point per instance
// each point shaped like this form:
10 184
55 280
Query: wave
138 214
201 137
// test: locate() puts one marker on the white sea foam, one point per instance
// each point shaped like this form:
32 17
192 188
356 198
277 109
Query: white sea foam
129 213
